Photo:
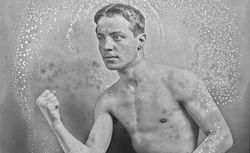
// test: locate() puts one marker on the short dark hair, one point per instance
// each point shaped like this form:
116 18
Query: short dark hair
131 14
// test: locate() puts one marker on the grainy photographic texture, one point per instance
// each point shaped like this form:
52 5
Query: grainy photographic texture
52 44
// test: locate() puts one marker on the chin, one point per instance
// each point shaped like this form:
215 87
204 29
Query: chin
114 67
111 68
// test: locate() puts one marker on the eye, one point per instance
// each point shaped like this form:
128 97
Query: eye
117 37
100 38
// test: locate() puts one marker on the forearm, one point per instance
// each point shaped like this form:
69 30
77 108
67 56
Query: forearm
68 142
48 103
215 143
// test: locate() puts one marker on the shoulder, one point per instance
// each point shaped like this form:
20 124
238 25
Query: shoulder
174 75
182 83
106 100
177 75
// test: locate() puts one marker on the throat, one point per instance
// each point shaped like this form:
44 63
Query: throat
132 72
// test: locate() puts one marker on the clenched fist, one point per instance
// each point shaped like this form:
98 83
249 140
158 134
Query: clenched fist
49 105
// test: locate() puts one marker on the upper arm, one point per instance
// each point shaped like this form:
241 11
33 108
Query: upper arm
101 132
192 93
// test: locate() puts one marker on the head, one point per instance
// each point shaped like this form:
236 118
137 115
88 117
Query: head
120 32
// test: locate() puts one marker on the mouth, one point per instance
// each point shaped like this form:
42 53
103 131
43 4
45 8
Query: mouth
110 57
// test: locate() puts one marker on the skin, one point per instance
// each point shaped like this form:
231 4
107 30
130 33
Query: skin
161 107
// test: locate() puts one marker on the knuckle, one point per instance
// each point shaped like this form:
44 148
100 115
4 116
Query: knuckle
51 95
39 101
50 105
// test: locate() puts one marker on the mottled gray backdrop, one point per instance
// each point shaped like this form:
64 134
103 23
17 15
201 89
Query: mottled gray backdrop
51 44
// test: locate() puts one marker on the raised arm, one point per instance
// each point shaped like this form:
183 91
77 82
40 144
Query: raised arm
99 137
192 93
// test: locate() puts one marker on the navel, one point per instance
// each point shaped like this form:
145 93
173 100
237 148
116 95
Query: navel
163 120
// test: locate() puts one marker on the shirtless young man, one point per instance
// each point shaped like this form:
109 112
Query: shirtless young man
161 107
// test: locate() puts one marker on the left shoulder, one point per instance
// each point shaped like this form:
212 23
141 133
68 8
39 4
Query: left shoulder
183 83
184 76
174 73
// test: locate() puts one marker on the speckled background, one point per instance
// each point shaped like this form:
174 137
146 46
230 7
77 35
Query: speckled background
52 44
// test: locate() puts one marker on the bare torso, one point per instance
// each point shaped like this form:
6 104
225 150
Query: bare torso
155 121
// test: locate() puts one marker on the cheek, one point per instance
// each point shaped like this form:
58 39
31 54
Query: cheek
100 44
133 45
130 45
133 48
100 47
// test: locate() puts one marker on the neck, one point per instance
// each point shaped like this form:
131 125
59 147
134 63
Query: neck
128 74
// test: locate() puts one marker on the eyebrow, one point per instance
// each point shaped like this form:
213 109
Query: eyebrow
112 33
117 32
99 34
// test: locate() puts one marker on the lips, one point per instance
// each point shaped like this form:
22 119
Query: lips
110 56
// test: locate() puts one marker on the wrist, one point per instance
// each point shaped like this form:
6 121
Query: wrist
56 125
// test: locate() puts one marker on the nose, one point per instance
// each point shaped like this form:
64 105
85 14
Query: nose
108 46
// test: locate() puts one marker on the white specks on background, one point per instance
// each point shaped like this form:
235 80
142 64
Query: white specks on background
208 30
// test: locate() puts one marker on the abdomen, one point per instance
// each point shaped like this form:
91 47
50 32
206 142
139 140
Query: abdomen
176 135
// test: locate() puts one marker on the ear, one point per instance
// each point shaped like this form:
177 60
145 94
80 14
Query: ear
142 39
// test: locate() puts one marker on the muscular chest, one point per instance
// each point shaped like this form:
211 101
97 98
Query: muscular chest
145 106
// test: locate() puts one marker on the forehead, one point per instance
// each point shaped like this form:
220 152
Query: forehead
111 24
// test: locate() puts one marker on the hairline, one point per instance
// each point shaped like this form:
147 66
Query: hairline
137 25
131 28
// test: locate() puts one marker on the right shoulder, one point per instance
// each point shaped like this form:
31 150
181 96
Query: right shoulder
106 100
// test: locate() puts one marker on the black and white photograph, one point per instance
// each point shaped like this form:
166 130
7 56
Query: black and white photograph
124 76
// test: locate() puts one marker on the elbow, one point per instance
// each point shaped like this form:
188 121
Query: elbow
228 141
